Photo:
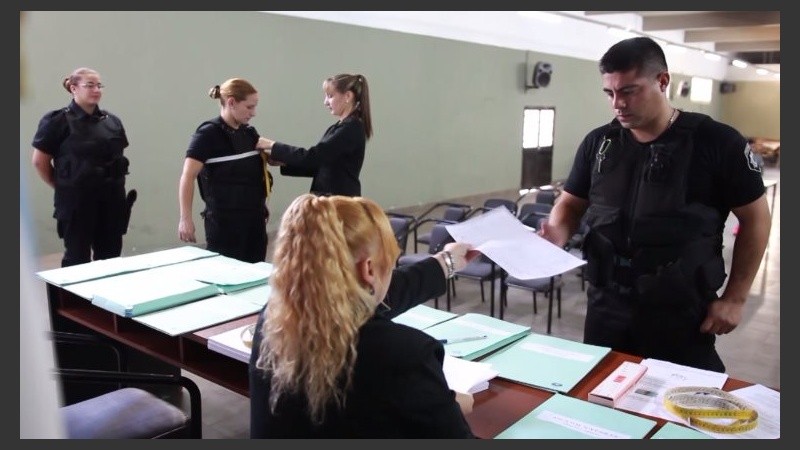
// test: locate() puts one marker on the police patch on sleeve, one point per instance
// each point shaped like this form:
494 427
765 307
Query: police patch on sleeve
754 162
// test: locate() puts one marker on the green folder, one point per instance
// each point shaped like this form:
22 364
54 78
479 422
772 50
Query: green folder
564 417
103 268
423 316
547 362
142 293
498 333
672 430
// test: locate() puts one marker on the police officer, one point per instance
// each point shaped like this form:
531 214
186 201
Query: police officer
232 177
78 150
656 186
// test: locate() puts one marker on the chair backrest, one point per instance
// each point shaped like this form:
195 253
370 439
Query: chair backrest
401 225
548 196
455 213
493 203
530 213
439 237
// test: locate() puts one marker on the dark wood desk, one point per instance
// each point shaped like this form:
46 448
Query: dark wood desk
495 409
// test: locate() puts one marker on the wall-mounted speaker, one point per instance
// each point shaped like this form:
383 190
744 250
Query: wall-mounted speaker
542 72
727 87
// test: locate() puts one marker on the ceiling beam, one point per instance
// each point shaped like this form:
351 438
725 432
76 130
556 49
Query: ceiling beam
751 46
766 33
711 19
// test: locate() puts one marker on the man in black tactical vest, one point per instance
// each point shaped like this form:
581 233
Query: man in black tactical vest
656 185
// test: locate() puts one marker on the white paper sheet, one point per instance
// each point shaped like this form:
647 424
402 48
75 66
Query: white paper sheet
500 236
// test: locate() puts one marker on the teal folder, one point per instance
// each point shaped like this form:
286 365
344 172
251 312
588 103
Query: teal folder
138 293
498 333
228 274
423 316
563 417
672 430
547 362
103 268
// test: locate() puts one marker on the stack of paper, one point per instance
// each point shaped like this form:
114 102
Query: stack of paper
564 417
484 334
465 376
236 343
547 361
422 316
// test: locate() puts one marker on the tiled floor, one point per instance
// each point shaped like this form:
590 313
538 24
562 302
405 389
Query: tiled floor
751 352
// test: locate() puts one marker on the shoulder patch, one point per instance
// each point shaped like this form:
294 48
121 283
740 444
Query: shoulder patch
754 162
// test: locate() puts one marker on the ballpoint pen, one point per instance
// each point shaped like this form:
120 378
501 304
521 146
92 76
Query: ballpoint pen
462 339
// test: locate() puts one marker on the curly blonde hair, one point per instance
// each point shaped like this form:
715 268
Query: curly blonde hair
318 303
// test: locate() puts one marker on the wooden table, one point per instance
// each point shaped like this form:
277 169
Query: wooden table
495 409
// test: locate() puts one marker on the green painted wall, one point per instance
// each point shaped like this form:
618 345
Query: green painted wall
754 108
447 115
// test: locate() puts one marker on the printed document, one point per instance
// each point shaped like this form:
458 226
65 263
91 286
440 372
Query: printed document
500 236
647 396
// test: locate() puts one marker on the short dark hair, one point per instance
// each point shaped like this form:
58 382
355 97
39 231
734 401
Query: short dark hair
640 53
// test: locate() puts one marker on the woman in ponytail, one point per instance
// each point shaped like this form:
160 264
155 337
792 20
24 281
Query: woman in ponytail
327 360
334 164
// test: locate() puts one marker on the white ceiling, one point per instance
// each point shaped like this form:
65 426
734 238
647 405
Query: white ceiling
584 34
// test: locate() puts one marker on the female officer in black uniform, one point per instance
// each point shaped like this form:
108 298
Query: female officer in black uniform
335 162
232 177
77 150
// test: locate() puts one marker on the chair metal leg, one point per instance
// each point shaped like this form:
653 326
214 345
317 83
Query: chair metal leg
491 296
483 297
559 302
535 310
503 293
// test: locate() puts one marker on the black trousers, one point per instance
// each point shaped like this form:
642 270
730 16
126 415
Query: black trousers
617 318
240 235
93 228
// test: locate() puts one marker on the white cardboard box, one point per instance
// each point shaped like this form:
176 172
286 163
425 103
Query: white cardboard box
617 384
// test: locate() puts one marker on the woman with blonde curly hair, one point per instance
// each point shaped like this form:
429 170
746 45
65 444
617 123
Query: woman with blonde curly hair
327 360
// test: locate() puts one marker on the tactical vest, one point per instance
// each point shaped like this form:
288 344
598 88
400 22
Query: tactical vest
91 156
234 182
643 234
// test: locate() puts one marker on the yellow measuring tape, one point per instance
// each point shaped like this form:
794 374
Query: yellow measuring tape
699 404
267 175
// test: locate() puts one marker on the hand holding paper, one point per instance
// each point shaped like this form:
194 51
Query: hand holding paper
506 241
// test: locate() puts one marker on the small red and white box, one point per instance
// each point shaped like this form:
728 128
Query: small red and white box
617 384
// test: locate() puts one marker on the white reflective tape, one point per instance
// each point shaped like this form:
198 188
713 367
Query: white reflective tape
232 157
